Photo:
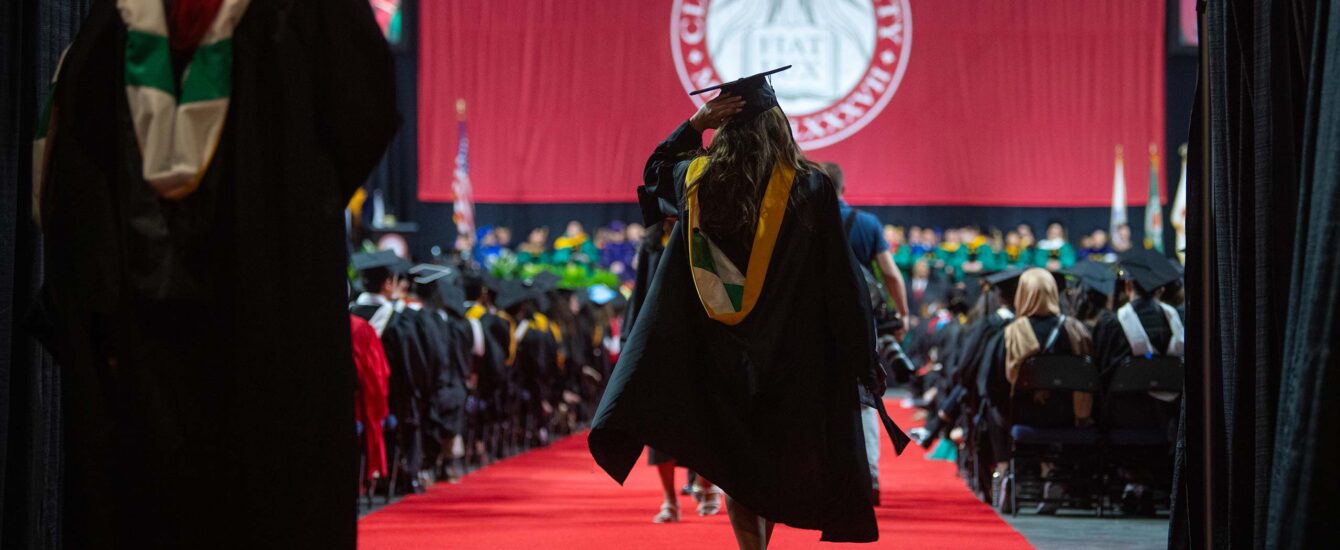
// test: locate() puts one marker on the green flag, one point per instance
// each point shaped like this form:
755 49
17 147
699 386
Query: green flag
1154 206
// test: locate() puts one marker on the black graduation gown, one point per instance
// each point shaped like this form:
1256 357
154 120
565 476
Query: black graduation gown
648 257
1112 349
207 391
490 370
452 389
768 409
442 409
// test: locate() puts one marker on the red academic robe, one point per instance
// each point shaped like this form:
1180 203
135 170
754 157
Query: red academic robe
370 404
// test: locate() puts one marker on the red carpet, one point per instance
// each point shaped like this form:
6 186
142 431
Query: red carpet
557 498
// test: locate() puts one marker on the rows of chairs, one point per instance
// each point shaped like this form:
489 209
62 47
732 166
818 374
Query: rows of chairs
1131 432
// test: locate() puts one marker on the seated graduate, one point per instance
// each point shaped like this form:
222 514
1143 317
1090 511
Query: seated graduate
450 337
744 359
1038 308
382 273
1038 318
489 374
1144 327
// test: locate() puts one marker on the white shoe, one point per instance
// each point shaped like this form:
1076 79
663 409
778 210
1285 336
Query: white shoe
669 514
710 505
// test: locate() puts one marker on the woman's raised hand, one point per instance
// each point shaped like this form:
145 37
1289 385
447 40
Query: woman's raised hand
716 112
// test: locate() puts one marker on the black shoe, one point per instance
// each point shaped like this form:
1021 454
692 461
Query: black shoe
1052 493
1130 503
1146 507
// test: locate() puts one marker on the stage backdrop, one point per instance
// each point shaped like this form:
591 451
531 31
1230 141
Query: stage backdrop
975 103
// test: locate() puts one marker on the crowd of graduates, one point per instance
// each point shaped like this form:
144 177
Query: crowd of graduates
459 367
499 347
1054 379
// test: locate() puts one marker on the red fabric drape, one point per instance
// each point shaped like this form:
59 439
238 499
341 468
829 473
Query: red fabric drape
1002 103
188 20
370 405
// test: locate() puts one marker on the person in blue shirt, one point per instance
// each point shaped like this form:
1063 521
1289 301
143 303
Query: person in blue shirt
865 234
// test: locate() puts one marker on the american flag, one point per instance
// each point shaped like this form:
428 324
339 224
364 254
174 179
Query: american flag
464 205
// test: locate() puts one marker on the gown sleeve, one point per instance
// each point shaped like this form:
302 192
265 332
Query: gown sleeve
849 321
665 168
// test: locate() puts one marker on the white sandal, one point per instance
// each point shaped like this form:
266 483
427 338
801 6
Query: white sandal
669 514
710 505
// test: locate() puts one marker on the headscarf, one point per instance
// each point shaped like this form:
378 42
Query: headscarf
1037 297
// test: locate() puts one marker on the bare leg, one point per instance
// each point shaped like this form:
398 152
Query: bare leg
667 471
751 531
670 508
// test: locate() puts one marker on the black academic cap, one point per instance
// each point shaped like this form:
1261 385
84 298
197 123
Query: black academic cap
1008 280
757 93
387 259
451 291
511 293
492 283
1095 276
1149 269
428 273
545 281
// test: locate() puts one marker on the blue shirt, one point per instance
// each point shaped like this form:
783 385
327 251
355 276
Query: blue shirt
866 235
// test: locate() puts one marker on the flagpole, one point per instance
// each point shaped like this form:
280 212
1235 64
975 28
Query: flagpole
1118 216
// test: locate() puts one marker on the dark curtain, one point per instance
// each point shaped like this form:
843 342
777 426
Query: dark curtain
32 35
1304 481
1264 281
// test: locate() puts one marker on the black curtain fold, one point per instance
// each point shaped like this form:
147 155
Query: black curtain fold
1268 283
1302 504
33 34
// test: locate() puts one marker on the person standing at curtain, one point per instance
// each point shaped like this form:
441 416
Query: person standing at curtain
746 355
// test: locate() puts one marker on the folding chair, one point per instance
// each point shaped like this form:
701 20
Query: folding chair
1052 440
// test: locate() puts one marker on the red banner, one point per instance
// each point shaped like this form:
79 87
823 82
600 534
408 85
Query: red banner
985 102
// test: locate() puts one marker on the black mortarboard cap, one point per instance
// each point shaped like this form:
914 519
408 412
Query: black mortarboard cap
428 273
545 281
387 259
511 293
451 291
1095 276
757 93
1008 280
1149 269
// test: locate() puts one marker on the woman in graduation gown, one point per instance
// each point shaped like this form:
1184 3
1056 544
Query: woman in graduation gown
745 359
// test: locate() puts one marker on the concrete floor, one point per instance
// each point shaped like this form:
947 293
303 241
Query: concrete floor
1078 529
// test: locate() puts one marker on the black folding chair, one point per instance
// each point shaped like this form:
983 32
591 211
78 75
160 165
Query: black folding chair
1055 440
1136 426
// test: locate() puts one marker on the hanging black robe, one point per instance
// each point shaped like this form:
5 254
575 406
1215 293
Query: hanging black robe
207 390
768 409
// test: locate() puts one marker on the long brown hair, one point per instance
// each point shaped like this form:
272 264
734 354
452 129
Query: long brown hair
743 154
